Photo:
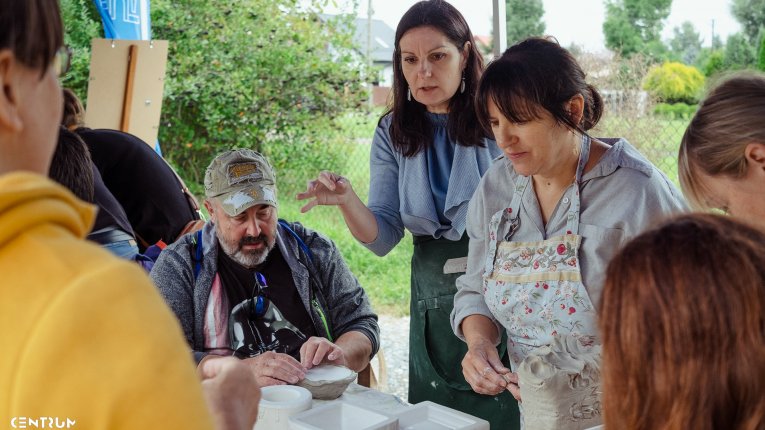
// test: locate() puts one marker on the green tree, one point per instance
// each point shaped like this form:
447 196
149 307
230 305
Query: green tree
751 15
524 19
686 43
739 53
633 25
674 82
82 25
761 54
264 74
717 42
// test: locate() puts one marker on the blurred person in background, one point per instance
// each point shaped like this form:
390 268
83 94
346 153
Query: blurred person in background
69 168
71 165
155 199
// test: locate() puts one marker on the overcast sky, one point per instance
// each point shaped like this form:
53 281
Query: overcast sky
570 21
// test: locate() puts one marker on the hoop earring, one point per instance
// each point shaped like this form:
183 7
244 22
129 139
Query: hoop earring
462 85
408 93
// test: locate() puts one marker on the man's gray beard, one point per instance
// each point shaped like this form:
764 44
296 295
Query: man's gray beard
248 260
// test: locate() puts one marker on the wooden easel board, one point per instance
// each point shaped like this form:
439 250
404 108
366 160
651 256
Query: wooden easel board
109 61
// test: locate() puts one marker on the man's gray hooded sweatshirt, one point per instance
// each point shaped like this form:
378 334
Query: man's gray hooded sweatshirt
337 302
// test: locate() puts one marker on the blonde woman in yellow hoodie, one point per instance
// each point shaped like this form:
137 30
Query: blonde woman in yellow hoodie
86 340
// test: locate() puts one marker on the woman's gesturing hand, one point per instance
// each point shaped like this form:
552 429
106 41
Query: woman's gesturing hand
327 189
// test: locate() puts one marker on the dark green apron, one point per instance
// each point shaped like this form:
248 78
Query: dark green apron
435 353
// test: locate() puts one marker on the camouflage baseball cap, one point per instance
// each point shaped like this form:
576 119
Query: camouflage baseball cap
240 179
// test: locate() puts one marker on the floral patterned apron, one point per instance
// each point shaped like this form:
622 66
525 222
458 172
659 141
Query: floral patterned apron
535 289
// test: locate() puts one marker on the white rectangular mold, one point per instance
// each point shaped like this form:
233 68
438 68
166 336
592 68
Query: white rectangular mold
342 416
432 416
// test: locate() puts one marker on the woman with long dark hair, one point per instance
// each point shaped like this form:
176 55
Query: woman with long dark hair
428 155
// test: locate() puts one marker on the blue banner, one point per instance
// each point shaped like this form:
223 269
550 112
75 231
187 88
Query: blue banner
125 19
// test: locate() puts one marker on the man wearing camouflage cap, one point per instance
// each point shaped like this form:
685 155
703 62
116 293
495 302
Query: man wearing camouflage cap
310 289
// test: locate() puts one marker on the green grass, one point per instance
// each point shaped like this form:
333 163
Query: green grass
385 279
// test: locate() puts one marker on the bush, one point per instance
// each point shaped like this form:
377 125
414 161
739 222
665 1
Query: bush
674 82
675 111
714 63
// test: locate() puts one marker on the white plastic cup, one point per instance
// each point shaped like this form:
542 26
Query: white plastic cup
278 403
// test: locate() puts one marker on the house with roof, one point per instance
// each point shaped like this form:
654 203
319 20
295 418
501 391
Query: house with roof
381 47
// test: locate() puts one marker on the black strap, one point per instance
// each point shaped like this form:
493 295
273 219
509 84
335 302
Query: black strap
197 256
300 242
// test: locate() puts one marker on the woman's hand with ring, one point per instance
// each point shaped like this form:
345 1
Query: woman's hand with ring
486 370
483 369
327 189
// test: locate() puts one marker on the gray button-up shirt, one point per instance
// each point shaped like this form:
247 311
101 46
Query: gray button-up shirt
621 196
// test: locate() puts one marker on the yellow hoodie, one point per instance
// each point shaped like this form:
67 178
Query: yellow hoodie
84 336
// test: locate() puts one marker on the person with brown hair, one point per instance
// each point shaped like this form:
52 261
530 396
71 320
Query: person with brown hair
683 324
722 153
87 340
547 217
73 168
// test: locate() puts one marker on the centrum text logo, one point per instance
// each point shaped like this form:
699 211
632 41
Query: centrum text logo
41 423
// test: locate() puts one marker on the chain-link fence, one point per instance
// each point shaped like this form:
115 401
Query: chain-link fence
628 114
629 111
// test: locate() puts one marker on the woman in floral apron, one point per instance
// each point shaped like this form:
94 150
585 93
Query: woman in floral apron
547 217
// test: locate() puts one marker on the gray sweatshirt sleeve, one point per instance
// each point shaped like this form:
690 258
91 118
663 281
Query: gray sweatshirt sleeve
347 302
173 276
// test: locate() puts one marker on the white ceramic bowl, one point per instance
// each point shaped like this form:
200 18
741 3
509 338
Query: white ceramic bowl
326 381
